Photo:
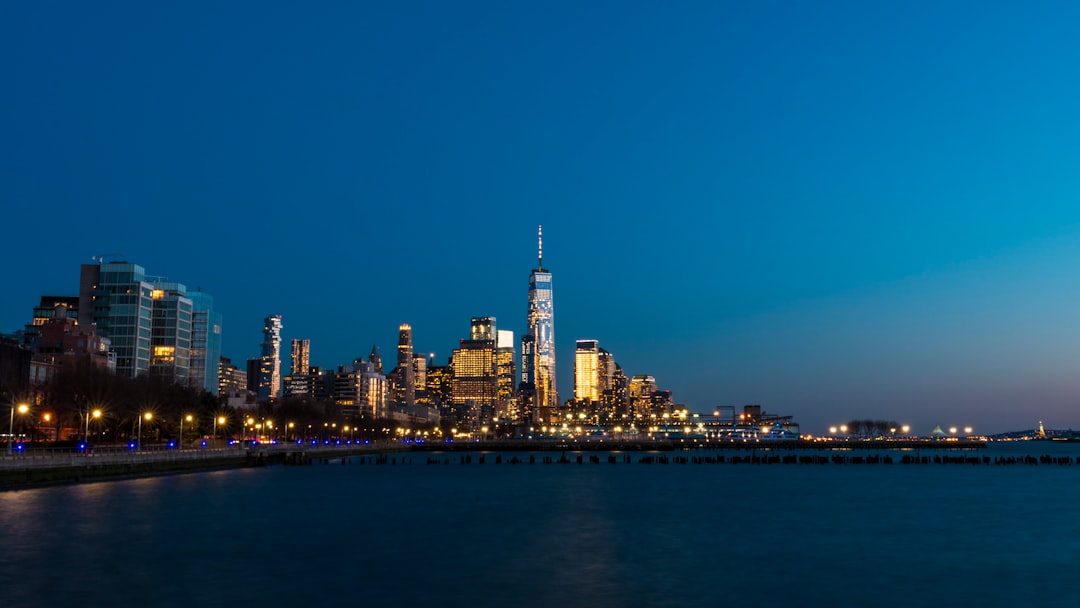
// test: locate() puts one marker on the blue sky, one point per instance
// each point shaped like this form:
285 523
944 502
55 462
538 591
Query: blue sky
836 210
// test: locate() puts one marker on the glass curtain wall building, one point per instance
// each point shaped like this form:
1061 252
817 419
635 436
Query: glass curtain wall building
270 361
205 343
117 297
540 371
170 333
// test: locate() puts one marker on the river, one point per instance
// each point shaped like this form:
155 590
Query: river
553 535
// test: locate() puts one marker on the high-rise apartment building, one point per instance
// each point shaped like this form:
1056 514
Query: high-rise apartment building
420 366
301 356
642 388
117 297
539 370
232 379
360 390
405 374
587 371
155 326
270 360
505 368
205 342
170 333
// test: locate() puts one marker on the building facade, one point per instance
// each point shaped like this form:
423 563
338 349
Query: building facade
587 371
539 370
301 356
117 297
270 361
205 342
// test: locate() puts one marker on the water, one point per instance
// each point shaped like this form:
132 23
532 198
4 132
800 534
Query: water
544 535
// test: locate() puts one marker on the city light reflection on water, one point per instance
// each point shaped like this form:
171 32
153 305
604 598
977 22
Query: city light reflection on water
556 534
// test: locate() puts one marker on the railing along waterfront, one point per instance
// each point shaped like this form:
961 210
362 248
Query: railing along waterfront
36 458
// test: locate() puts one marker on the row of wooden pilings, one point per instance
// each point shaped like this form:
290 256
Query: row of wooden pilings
302 458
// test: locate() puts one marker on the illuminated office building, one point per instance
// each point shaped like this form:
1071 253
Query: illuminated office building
270 361
538 366
440 384
641 392
420 377
482 328
505 369
301 356
586 371
475 381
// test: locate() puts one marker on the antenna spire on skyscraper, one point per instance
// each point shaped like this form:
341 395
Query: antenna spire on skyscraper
540 247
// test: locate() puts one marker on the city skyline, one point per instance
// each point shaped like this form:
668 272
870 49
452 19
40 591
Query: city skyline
837 211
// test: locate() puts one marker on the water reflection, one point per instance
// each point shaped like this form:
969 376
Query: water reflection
542 535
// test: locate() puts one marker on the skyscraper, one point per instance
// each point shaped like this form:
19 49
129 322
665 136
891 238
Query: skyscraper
482 328
270 361
507 376
405 373
587 371
301 356
540 371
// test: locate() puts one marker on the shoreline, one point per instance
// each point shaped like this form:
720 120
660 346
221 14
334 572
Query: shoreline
27 473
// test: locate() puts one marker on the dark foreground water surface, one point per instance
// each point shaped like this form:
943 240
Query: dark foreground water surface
554 535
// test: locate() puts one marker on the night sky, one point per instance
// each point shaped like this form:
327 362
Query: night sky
836 210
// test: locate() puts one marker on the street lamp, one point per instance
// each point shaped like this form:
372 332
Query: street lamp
147 416
219 420
23 408
189 419
86 434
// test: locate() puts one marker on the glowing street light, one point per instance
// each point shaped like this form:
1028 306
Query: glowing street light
148 416
906 428
23 408
967 430
95 414
189 419
219 420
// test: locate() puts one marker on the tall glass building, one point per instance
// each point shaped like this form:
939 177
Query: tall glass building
170 333
540 371
117 297
270 361
205 343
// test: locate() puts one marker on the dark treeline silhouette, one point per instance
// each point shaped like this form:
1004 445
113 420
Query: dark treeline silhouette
77 390
66 404
873 428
